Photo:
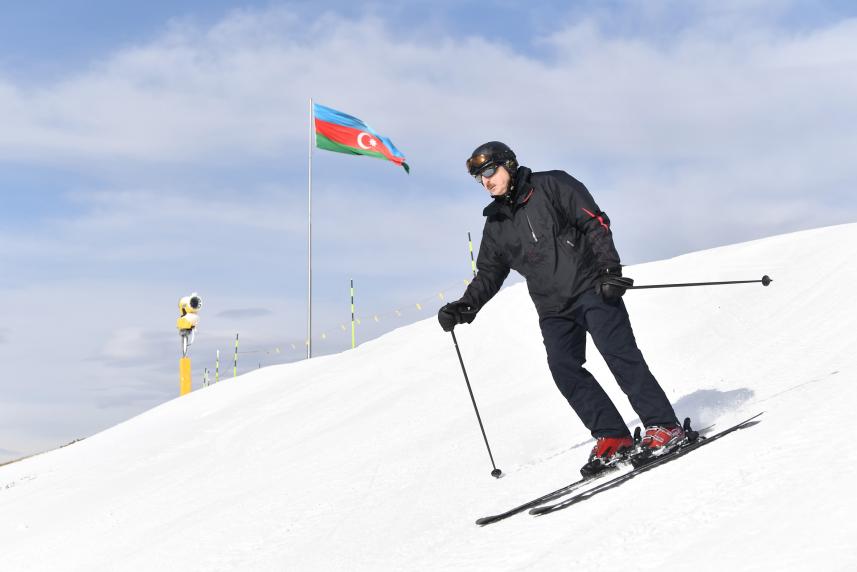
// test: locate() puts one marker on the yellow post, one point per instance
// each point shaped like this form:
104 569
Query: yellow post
189 307
184 376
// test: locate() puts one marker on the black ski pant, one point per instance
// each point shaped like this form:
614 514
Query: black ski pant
610 327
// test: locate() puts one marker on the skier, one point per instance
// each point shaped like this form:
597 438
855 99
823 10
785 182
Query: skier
547 227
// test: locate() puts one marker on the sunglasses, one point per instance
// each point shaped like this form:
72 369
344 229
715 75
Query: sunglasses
487 172
481 166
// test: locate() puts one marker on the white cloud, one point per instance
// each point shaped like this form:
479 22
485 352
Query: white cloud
240 90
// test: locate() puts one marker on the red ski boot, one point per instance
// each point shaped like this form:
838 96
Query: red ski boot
606 453
661 439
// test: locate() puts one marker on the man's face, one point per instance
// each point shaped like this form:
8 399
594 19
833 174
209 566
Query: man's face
498 183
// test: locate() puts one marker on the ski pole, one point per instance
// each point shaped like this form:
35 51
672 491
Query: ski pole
496 473
765 280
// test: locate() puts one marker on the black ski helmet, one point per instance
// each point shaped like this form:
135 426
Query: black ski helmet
491 153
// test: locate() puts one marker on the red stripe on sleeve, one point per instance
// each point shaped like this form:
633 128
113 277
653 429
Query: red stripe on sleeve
599 217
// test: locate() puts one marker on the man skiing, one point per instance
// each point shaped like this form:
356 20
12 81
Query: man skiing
547 227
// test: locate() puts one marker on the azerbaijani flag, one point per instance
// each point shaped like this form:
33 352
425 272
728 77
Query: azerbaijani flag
337 131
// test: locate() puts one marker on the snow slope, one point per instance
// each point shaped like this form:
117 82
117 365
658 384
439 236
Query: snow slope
372 459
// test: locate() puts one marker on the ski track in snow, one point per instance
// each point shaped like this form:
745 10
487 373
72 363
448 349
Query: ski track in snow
372 459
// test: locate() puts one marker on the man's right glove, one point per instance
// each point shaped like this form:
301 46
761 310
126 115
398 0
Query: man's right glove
612 285
455 313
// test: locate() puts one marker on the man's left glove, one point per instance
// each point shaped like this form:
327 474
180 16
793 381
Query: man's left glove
455 313
612 285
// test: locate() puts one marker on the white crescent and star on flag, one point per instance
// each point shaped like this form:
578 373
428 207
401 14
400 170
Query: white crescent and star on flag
361 141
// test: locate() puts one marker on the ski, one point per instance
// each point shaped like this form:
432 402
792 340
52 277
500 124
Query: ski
568 489
562 491
641 466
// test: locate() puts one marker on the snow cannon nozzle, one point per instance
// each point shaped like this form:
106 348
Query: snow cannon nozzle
496 473
766 280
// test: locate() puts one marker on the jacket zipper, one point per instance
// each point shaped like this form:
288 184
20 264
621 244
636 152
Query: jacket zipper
531 226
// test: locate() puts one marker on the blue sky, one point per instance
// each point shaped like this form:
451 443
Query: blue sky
153 149
49 36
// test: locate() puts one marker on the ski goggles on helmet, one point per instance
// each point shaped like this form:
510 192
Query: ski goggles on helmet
487 172
481 165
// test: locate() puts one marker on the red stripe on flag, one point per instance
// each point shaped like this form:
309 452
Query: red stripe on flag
337 133
348 136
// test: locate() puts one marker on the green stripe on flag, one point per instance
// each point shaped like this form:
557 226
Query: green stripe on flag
323 142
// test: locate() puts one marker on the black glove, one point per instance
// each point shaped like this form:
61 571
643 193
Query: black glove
612 285
455 313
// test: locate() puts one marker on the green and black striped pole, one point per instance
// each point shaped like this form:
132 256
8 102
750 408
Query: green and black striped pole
235 358
353 333
472 261
217 368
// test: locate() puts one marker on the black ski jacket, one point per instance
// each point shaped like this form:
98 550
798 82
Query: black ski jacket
552 233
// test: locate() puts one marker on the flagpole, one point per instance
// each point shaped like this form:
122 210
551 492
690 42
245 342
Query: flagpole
309 238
